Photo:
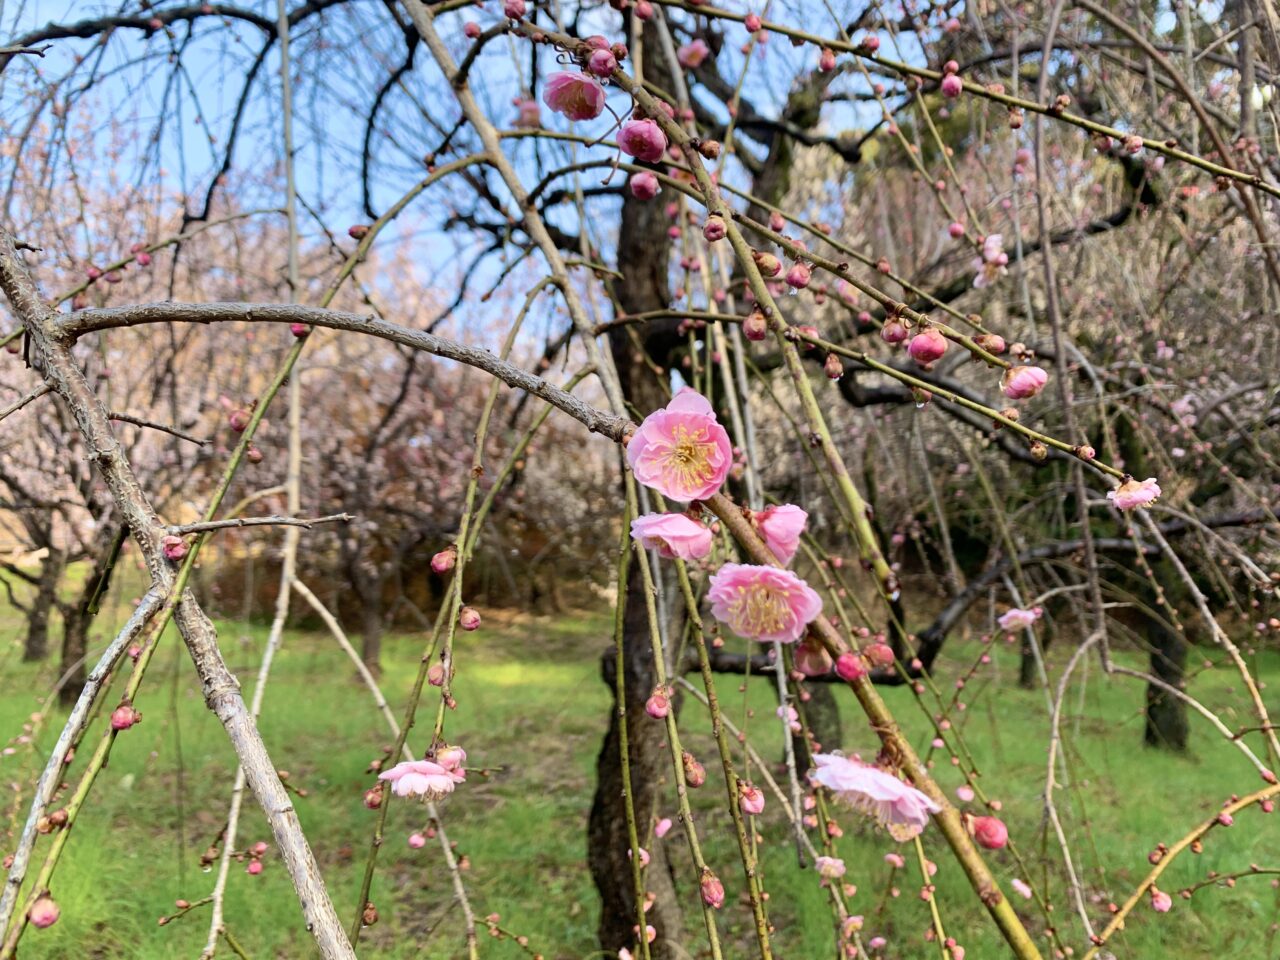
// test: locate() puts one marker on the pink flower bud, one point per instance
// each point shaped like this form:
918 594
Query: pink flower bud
827 60
799 275
956 230
952 86
657 706
174 548
1020 383
435 675
642 139
662 827
769 265
93 273
644 185
358 231
644 857
254 868
602 63
238 420
417 841
894 331
832 367
991 342
253 455
469 618
299 330
143 259
776 222
113 276
695 774
990 832
752 22
44 912
750 799
124 716
755 326
712 890
850 666
714 229
880 654
444 561
870 44
513 9
927 346
643 10
259 848
373 797
471 29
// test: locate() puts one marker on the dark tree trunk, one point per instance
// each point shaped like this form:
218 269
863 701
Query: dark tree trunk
36 646
1166 722
1027 666
371 632
75 645
650 762
822 713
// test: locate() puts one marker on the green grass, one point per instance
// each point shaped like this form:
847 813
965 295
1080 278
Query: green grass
531 708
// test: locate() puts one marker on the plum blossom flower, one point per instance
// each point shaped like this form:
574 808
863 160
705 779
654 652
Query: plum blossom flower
830 868
781 528
422 778
992 263
895 860
681 450
1018 619
750 799
575 95
897 806
763 603
692 54
1133 493
673 535
1020 383
528 114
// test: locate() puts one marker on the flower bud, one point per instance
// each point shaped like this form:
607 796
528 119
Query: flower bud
894 331
444 561
174 548
471 29
989 832
435 675
832 367
750 799
1038 450
254 868
299 330
799 275
752 22
358 231
469 618
373 797
755 326
417 841
769 265
777 223
695 774
927 346
827 60
238 420
880 655
714 228
712 890
124 716
657 706
602 63
850 666
644 185
369 916
44 912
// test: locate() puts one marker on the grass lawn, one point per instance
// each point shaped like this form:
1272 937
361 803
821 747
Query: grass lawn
531 708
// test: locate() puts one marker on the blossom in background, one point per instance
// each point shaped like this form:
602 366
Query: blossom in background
992 263
673 535
1021 888
1020 383
899 807
830 868
528 114
422 778
575 95
1134 493
692 54
681 450
1018 619
763 603
781 528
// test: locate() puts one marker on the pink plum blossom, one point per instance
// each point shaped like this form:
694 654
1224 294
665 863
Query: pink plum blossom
1018 619
575 95
781 528
830 868
673 535
927 346
692 54
644 185
897 806
1020 383
1133 493
992 262
750 799
763 603
681 450
642 139
422 778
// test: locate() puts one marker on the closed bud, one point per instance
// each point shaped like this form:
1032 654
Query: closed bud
832 367
769 264
714 228
44 912
1038 450
799 275
755 327
469 618
369 916
712 890
174 548
435 676
990 832
238 420
850 667
358 231
124 716
657 706
695 774
880 654
710 149
299 330
253 455
444 561
373 797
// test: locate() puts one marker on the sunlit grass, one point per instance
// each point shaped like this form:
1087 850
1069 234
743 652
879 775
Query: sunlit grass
531 709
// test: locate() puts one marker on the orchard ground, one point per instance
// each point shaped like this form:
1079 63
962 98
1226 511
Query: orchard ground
531 709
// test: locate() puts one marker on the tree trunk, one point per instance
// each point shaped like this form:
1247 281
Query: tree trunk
36 646
822 713
75 645
1166 722
371 633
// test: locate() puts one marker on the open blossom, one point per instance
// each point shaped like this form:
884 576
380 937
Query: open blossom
692 54
681 450
763 603
781 528
1017 619
642 139
992 263
1020 383
422 778
1133 493
897 806
673 535
576 95
830 868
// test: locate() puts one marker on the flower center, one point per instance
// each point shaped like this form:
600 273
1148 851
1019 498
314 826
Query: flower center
757 611
689 457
